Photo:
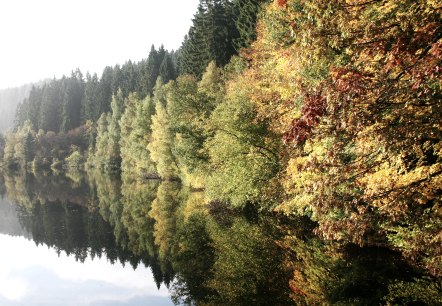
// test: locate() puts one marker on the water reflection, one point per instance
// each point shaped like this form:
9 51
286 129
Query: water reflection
74 258
37 275
113 242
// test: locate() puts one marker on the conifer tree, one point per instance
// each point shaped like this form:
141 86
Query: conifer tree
130 78
105 90
72 96
245 21
167 69
32 108
90 107
150 71
210 37
50 110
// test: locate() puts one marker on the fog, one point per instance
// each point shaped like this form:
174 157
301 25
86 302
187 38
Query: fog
48 38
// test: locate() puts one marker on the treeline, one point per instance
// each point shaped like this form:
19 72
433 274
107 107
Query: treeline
332 113
84 108
217 34
66 103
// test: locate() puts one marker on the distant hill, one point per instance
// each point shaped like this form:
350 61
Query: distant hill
9 99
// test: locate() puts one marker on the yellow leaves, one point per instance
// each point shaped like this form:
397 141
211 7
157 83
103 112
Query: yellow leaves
195 203
285 62
419 174
373 159
427 180
301 185
298 204
194 179
387 7
392 190
379 183
308 178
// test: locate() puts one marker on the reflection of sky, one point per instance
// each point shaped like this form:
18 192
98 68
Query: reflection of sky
35 275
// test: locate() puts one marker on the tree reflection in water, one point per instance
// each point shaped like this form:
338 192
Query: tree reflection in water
205 253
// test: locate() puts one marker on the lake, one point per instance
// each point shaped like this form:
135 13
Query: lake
60 253
96 240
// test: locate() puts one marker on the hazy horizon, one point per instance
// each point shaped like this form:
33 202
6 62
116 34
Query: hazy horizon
46 39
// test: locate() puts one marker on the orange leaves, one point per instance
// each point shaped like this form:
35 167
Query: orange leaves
281 3
351 81
436 49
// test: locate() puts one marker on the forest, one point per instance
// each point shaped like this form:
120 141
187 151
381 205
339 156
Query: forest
328 111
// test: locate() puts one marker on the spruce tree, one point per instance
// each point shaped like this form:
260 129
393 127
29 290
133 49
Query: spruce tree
167 69
105 90
245 21
150 71
210 37
33 107
50 110
72 91
130 78
90 107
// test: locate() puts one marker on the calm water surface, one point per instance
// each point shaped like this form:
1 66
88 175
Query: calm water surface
35 273
96 240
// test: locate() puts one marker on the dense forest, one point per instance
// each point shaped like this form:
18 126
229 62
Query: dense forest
325 110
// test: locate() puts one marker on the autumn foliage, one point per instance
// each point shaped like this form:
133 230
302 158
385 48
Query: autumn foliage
334 114
353 88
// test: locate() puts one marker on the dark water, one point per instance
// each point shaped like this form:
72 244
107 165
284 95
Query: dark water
94 240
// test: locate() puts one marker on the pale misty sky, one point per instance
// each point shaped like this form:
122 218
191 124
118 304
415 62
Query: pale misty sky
36 275
45 38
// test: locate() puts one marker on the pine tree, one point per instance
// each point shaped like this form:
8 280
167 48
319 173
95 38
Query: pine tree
2 147
90 107
105 90
33 107
195 50
245 21
117 79
50 110
167 69
150 71
130 78
210 37
72 96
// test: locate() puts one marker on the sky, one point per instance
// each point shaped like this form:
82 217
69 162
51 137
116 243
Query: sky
41 39
35 275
